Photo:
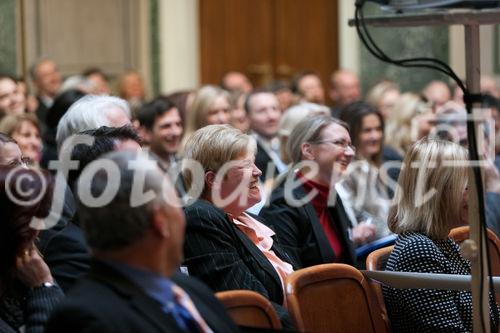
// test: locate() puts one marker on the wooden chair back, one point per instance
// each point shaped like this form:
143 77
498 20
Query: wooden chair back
249 308
462 233
333 298
376 261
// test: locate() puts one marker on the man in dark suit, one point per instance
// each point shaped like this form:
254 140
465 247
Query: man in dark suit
136 234
345 89
47 80
263 111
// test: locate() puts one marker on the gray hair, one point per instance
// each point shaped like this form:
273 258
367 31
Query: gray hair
308 130
89 112
296 113
119 223
292 117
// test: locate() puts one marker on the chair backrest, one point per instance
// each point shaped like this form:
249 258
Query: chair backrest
249 308
376 261
462 233
332 298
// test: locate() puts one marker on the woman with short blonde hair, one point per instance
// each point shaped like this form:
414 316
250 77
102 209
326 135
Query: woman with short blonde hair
212 147
226 247
383 96
411 120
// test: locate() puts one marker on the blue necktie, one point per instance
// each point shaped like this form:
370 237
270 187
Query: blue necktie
184 319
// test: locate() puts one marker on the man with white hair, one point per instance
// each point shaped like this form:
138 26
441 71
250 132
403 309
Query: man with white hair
91 112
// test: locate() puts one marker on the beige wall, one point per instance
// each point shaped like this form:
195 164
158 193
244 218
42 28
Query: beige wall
112 35
348 40
179 45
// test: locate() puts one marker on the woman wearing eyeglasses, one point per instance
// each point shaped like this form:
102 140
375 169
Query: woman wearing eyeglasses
305 212
10 153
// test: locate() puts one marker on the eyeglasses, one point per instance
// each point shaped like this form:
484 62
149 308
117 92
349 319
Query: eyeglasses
25 161
338 143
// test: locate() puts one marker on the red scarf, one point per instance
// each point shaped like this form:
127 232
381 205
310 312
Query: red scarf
320 204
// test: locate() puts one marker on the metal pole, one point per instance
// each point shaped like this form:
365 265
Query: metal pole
479 264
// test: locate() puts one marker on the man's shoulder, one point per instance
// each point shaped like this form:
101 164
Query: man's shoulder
191 284
91 300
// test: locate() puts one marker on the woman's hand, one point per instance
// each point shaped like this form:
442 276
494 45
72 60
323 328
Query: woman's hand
31 269
363 233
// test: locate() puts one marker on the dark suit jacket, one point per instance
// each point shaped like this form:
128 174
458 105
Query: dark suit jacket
300 232
223 257
64 247
66 252
262 160
105 301
41 113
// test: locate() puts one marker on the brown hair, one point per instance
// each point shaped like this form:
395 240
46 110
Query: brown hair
19 190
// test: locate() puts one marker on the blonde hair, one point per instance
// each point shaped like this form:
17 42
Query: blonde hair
398 132
212 146
440 171
12 123
204 99
378 91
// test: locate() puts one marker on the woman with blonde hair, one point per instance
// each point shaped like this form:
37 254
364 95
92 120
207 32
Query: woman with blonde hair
430 200
383 96
293 116
210 106
411 120
225 246
310 219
